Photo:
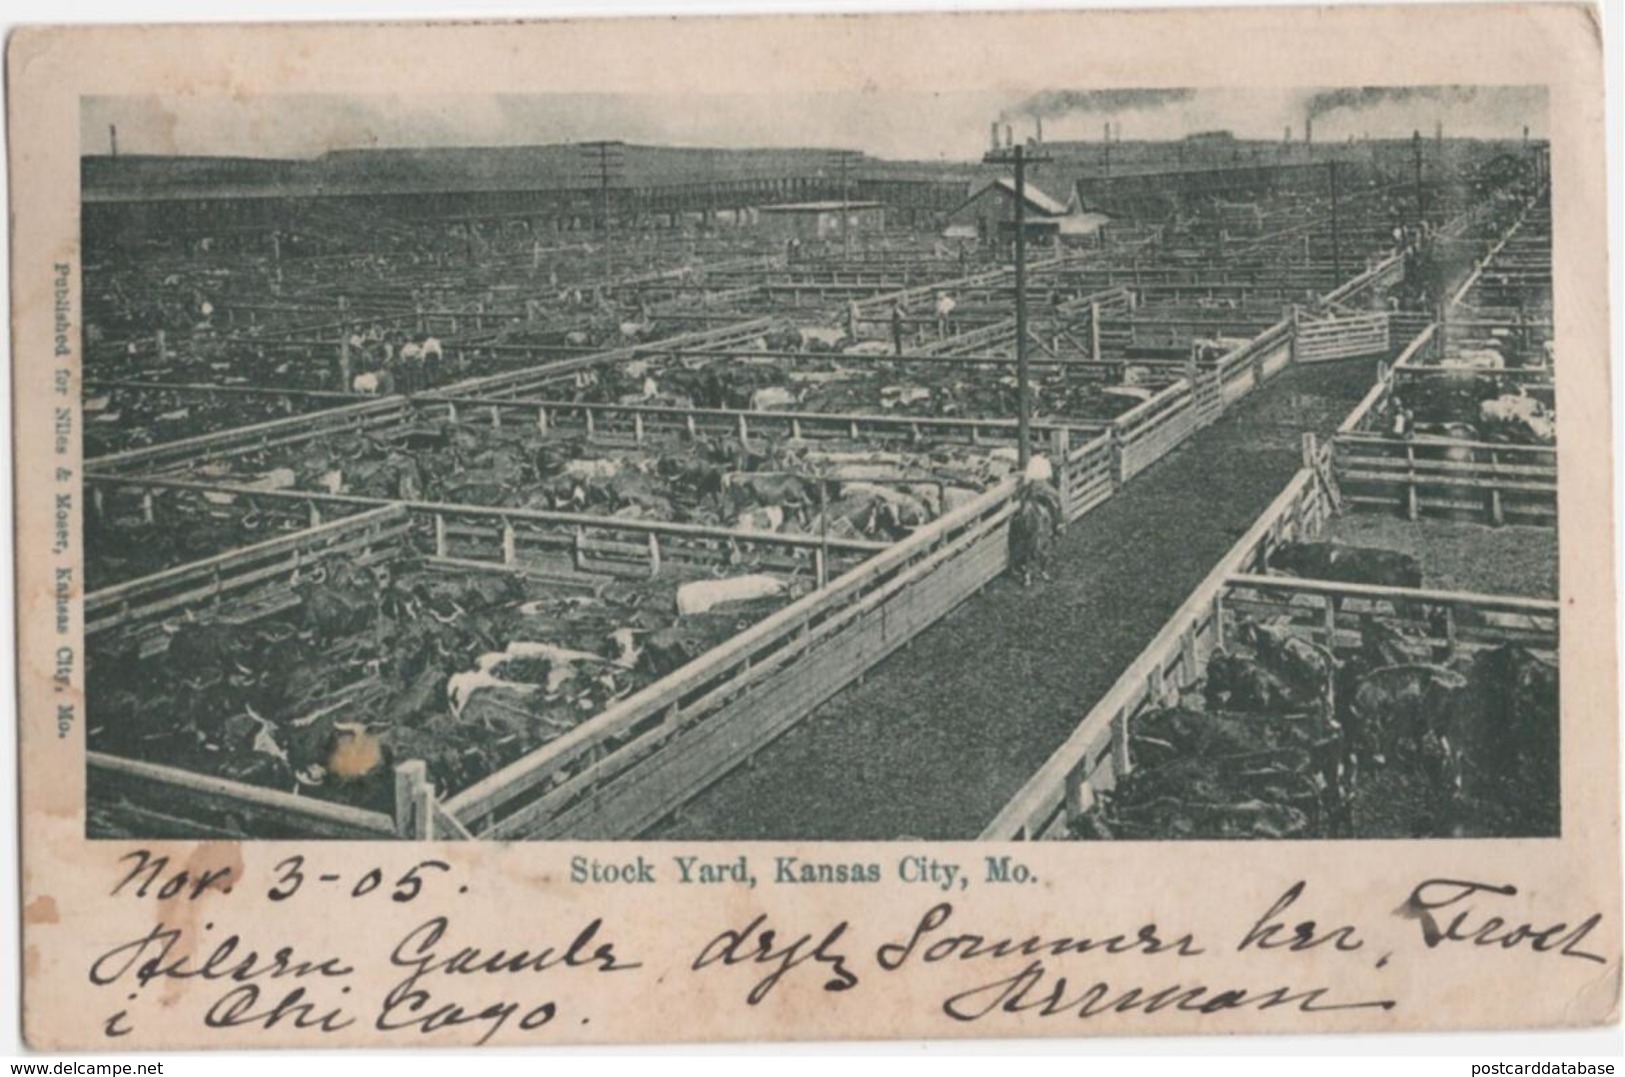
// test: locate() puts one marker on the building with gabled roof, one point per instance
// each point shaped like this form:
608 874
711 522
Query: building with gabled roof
988 214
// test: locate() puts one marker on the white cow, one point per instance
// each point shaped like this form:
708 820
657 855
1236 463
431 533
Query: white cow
1476 359
826 336
699 596
772 398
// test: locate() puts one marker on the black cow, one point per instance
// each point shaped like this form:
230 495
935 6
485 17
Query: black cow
1238 683
1347 564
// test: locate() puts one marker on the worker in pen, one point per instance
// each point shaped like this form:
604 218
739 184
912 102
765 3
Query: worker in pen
897 327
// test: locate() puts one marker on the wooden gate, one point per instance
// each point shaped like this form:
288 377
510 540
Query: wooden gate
1345 337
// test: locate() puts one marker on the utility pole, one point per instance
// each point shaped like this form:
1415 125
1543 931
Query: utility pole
1018 157
1416 157
1337 236
605 163
842 160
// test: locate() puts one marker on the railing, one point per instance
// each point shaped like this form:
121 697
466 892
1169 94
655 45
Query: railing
188 452
711 714
639 422
1425 475
263 566
170 802
536 539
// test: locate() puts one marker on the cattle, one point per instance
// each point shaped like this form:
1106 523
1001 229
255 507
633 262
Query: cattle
1518 418
1507 719
766 519
669 649
1396 706
1307 668
700 596
1235 682
901 510
1347 564
788 491
825 338
902 396
773 398
586 470
1475 359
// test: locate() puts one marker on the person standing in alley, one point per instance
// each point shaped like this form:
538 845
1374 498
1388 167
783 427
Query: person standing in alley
897 327
945 310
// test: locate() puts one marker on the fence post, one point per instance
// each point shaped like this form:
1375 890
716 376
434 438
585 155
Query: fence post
1061 454
1080 796
413 814
1497 516
510 543
1121 763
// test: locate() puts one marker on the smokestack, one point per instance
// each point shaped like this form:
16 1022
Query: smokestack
1308 130
112 137
1526 135
1438 133
1009 136
1106 131
993 132
1039 137
1286 134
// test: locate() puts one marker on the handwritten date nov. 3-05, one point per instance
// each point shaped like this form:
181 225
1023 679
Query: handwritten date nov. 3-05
151 876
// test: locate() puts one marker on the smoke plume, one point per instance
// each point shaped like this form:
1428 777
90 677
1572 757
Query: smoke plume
1360 98
1048 104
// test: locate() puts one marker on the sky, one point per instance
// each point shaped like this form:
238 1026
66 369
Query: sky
948 125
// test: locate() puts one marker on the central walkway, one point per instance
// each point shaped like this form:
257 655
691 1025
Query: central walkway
940 736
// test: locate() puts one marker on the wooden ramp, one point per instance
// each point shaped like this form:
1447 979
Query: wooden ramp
938 737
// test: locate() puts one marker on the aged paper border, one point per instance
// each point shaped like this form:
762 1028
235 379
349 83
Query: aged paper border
1200 888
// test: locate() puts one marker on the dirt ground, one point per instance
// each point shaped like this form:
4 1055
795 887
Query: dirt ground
939 737
1454 556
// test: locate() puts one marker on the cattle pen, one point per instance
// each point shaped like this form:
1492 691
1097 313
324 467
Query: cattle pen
608 435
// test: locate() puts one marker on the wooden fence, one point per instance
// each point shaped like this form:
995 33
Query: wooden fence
537 541
263 569
637 423
172 456
1433 476
624 770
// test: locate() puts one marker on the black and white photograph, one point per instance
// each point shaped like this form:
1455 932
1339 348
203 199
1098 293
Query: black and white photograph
927 529
1089 464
